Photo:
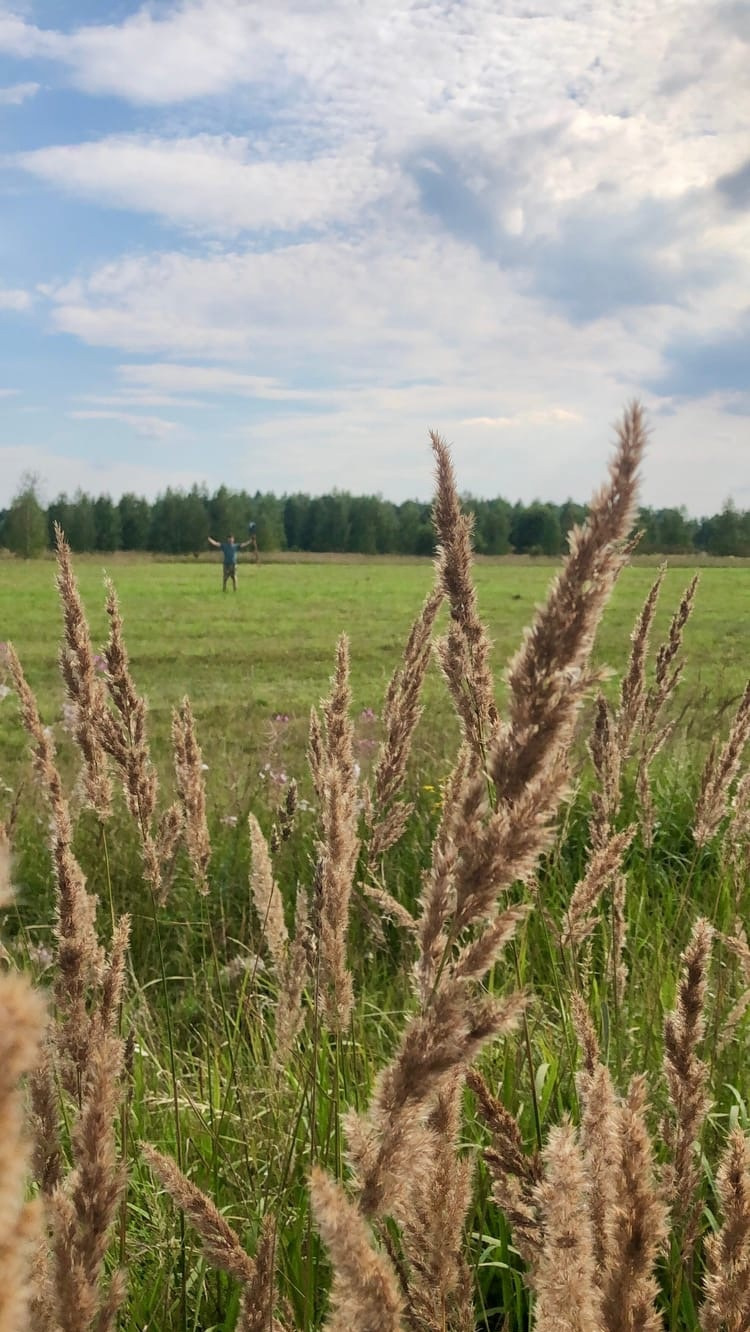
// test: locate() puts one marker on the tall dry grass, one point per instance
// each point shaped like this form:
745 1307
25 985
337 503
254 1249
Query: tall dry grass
616 1220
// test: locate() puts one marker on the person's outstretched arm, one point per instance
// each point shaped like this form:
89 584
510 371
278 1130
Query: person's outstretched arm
211 542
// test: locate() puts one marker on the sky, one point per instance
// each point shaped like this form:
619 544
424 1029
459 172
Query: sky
271 243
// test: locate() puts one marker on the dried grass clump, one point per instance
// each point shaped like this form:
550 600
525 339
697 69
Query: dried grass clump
464 652
491 836
290 956
719 774
637 1223
515 1172
632 728
727 1281
498 818
83 1055
84 687
567 1297
654 731
22 1021
580 919
110 724
191 789
335 777
222 1248
365 1293
687 1079
124 737
550 673
80 958
588 1213
388 815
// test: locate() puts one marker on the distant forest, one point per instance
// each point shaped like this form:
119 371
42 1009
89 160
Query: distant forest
179 523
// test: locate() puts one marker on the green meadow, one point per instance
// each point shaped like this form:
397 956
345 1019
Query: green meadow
200 1000
268 650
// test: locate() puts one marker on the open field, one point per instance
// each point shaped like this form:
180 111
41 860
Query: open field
202 999
269 650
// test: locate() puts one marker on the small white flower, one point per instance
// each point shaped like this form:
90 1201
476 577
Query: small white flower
4 691
204 767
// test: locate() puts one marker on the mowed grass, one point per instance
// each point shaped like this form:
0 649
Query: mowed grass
268 650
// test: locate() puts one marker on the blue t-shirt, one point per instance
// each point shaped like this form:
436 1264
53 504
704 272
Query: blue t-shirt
230 550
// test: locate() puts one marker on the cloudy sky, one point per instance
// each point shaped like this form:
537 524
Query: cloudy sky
272 242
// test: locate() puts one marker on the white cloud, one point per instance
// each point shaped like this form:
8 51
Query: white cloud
216 379
384 308
317 303
14 299
16 93
377 442
513 211
369 447
67 472
213 183
151 427
537 416
189 53
8 392
136 397
635 96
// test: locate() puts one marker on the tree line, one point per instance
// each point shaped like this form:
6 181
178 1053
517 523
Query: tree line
179 523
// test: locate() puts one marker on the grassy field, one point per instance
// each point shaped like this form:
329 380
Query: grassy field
268 651
202 994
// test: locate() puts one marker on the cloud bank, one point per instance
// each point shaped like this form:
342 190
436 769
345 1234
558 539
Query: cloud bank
310 231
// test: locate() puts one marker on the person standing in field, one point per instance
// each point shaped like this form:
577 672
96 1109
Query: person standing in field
230 550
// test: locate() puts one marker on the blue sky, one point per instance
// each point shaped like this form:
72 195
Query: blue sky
271 244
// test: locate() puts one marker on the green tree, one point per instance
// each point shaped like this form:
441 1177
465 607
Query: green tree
536 530
648 526
81 529
726 533
331 521
363 524
193 533
296 521
492 525
25 525
268 514
228 514
675 531
135 522
107 531
387 528
415 531
58 513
